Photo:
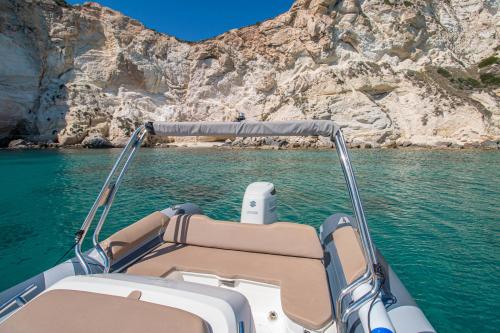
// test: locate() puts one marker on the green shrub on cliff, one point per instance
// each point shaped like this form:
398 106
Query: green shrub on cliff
443 72
468 82
488 61
490 79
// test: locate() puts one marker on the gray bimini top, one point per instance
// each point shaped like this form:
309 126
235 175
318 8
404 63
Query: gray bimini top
245 128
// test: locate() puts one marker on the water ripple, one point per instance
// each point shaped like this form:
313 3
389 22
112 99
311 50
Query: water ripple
434 214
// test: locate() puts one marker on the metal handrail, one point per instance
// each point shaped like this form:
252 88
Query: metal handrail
369 275
366 298
105 198
110 199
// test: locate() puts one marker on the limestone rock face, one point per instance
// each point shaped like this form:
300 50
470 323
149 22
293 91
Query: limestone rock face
420 72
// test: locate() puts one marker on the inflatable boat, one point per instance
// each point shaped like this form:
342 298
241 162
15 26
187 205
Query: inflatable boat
179 270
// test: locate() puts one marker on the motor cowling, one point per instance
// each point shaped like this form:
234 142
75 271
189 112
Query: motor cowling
259 204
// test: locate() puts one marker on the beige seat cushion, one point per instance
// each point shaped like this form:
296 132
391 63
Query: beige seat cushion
303 282
350 253
62 311
132 237
288 239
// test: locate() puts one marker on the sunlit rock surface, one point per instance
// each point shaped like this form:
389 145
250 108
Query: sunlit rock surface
393 72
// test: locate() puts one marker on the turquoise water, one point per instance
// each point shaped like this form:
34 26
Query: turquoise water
434 214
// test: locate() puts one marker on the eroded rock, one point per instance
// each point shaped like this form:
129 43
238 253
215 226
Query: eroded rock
20 144
394 72
96 141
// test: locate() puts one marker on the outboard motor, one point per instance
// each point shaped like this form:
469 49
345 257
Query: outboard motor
259 204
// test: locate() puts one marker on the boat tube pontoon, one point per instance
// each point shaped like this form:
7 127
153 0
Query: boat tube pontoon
178 270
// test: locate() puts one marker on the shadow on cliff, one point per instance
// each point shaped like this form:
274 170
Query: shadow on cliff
27 81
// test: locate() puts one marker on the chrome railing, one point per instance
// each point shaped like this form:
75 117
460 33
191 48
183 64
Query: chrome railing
105 200
342 315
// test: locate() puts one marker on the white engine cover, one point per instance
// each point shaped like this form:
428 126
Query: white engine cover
259 204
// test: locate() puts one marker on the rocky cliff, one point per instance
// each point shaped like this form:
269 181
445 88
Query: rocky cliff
416 72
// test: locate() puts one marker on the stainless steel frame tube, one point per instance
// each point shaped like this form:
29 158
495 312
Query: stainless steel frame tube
128 152
342 315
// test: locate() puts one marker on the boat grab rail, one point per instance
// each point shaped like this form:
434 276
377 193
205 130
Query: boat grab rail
369 275
342 314
105 199
18 299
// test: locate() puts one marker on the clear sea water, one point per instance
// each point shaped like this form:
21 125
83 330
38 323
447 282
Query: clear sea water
435 215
